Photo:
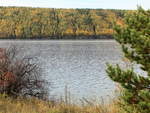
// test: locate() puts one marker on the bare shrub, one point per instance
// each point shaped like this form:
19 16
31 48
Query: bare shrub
20 76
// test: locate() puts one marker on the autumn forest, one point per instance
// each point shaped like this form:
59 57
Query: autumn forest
50 23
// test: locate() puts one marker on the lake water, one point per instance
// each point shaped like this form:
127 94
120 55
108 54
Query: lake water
78 65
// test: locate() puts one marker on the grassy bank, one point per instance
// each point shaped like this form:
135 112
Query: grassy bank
10 105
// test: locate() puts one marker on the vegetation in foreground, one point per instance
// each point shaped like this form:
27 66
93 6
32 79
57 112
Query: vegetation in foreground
20 75
135 40
34 105
48 23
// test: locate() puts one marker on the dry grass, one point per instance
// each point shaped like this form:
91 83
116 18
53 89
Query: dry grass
9 105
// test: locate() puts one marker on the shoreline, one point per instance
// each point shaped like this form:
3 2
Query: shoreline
68 37
51 41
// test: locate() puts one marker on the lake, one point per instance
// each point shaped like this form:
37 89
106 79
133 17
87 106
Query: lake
78 65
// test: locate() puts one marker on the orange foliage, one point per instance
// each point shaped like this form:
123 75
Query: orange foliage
6 78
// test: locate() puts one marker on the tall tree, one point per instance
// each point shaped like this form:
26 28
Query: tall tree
56 22
135 40
73 20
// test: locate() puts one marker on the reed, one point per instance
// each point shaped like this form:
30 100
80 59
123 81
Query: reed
34 105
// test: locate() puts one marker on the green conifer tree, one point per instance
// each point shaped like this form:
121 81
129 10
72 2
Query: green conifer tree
134 38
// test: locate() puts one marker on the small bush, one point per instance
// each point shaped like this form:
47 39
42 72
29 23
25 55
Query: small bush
20 76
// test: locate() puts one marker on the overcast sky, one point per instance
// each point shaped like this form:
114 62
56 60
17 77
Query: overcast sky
105 4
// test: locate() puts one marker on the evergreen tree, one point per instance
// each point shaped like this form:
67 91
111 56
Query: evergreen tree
134 38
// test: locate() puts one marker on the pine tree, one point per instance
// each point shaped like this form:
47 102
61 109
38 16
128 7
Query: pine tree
134 38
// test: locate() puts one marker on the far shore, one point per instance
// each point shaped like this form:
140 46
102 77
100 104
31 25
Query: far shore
57 40
69 37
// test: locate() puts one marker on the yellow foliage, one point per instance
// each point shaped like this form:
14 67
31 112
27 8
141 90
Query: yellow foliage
33 105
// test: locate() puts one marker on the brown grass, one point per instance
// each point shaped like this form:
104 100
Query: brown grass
33 105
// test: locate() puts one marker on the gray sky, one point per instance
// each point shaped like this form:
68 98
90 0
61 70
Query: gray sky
111 4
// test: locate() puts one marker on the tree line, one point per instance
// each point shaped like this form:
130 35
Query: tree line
50 23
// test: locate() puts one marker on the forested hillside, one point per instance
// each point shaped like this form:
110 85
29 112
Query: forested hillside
45 23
